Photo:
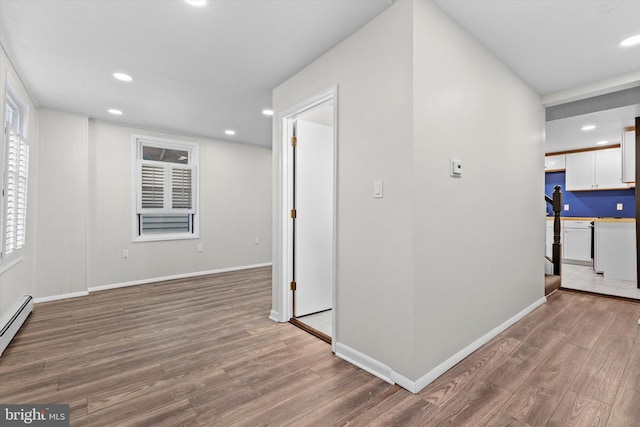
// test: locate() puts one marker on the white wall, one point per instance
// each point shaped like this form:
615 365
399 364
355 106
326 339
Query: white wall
479 239
235 207
374 273
80 211
61 248
18 280
429 269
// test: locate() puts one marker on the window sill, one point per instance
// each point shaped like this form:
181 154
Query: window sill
164 237
10 264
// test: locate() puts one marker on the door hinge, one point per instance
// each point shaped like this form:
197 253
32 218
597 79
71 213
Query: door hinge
294 214
292 286
294 141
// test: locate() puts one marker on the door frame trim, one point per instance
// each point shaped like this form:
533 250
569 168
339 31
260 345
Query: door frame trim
282 277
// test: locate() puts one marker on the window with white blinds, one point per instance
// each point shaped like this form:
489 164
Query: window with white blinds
15 170
166 189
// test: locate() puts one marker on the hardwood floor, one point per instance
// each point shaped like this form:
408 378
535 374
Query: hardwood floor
202 352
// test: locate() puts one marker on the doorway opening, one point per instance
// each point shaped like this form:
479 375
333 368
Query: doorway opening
310 141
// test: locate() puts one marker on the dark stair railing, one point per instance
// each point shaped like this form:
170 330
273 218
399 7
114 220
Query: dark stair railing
556 204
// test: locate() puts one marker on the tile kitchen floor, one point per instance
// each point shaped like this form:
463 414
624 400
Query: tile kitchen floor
584 278
320 321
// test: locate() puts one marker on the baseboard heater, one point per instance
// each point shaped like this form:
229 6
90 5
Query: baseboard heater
10 329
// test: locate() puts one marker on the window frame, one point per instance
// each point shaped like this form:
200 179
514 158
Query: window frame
140 141
14 140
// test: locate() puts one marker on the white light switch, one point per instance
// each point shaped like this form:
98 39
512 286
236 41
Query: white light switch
377 189
619 207
566 207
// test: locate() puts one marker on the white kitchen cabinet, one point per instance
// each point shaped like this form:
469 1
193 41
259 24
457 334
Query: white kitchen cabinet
549 238
576 240
581 170
629 157
615 250
554 163
594 170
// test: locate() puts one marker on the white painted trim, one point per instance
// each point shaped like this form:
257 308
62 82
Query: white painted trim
364 362
61 296
427 379
193 147
174 277
282 237
387 374
626 81
274 315
404 382
144 281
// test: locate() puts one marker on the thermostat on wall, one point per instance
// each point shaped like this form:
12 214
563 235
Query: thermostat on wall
456 167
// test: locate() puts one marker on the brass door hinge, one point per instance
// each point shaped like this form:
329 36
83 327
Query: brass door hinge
292 286
294 214
294 141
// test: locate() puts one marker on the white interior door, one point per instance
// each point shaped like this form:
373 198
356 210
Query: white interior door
314 218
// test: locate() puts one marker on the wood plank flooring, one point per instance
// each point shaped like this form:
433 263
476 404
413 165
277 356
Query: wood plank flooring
202 352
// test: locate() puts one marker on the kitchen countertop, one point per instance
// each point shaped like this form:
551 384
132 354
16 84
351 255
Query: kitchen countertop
575 218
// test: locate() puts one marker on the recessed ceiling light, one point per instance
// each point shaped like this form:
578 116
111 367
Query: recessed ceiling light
196 2
602 142
230 132
631 41
115 112
588 127
267 112
123 77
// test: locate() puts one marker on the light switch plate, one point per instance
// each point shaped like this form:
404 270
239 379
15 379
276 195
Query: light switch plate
619 207
566 207
377 189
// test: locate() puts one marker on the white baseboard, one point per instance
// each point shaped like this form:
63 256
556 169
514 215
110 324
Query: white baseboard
427 379
387 374
364 362
61 296
274 315
174 277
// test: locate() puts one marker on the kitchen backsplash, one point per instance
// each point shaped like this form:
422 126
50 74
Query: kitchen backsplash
600 203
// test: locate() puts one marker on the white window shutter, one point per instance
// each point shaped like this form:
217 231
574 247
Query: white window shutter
14 195
151 192
183 188
166 188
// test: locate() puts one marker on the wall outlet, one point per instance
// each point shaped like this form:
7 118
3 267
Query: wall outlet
619 207
257 240
566 207
200 247
456 167
125 253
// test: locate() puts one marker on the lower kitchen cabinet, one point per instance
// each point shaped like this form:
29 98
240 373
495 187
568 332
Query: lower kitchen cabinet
575 237
577 240
615 246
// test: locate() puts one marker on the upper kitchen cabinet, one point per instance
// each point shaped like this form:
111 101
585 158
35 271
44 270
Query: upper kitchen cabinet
595 170
554 163
629 157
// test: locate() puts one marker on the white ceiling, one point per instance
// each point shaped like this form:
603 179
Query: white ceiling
199 71
567 134
559 45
